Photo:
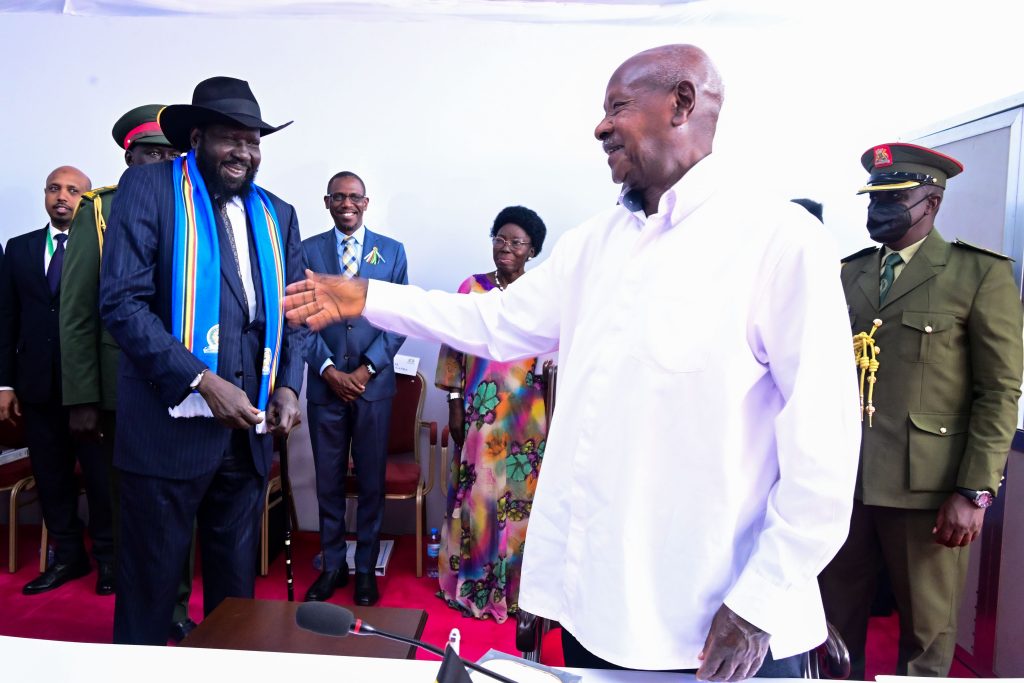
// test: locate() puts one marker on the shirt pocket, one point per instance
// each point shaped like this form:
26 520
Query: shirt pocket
674 334
936 444
925 336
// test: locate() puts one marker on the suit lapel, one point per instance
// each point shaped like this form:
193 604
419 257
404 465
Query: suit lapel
928 262
369 242
37 261
329 251
868 280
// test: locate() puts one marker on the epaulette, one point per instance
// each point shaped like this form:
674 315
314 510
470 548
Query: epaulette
91 194
983 250
862 252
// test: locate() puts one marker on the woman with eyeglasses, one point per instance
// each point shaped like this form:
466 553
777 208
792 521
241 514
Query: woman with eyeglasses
496 418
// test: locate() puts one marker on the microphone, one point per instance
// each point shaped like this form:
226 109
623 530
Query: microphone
328 619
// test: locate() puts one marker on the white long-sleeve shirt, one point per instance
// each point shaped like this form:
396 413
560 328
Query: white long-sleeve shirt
705 440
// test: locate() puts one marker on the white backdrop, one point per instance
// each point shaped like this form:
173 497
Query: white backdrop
451 111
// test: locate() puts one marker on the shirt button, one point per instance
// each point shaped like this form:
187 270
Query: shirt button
942 430
238 373
346 356
350 327
927 329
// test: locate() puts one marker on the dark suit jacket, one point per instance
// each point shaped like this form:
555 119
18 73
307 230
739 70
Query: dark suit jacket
156 369
353 339
89 355
29 315
949 372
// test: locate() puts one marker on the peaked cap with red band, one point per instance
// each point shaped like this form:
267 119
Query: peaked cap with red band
902 166
140 125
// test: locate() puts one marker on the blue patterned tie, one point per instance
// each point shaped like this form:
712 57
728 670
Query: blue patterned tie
888 275
349 265
56 263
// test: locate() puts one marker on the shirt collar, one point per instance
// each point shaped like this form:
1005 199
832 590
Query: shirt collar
680 200
359 235
906 253
54 231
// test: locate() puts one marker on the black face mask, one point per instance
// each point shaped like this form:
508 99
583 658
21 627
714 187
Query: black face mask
888 222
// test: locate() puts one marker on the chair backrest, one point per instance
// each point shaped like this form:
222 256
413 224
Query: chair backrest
406 413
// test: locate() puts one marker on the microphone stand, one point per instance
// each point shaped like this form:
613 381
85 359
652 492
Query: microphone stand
361 629
286 500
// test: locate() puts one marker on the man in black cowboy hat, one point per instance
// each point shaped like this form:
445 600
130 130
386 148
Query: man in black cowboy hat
195 261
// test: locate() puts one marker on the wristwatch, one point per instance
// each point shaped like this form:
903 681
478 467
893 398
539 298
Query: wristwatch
370 369
982 498
454 396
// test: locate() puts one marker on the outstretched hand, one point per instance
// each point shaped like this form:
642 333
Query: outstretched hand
734 649
320 300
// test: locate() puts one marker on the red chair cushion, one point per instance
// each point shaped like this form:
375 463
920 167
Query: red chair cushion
400 479
13 472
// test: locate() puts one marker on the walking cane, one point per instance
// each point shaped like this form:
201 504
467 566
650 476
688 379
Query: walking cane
286 499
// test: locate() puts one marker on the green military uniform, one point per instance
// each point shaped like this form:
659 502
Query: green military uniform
89 354
948 382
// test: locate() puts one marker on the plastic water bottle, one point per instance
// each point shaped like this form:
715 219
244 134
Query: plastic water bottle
433 552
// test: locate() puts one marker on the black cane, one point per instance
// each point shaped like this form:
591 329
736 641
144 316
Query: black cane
286 500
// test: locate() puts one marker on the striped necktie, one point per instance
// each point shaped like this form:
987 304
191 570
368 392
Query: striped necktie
888 275
349 263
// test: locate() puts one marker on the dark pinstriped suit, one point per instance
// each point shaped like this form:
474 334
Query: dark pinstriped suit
177 470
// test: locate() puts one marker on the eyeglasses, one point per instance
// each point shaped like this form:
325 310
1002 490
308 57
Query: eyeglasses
499 242
339 197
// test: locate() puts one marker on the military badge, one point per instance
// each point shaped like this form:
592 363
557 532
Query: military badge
883 157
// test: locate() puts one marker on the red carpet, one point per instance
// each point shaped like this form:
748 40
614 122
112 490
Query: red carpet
75 613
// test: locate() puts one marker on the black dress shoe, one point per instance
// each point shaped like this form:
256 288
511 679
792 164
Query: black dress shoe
366 589
180 629
323 588
105 579
56 576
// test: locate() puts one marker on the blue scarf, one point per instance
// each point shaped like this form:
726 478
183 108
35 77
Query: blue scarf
195 303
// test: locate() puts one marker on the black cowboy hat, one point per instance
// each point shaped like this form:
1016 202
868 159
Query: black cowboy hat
220 99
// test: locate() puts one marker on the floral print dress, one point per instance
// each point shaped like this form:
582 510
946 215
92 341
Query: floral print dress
493 477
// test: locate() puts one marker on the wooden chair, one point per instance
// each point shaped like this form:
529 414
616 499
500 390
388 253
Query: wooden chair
15 479
407 477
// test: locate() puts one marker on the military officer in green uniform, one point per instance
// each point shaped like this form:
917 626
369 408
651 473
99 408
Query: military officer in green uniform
939 422
89 355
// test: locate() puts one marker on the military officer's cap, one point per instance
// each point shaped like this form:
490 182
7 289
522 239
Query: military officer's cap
902 166
140 125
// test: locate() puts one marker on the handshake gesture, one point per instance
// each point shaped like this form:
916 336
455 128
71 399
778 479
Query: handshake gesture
320 300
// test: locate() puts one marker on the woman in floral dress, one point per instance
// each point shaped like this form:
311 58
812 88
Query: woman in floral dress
496 418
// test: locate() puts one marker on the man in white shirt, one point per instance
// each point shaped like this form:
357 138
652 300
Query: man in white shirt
709 315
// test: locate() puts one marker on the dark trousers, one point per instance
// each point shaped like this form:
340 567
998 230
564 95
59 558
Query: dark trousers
579 657
927 580
108 422
53 454
156 530
334 428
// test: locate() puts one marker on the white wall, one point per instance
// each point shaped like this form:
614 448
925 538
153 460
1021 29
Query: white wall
449 119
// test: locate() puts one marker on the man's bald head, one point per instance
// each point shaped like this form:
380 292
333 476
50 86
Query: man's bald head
63 191
663 68
661 111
